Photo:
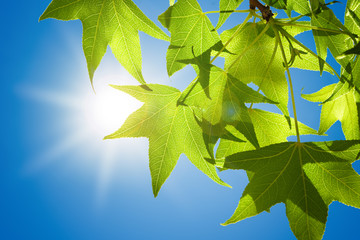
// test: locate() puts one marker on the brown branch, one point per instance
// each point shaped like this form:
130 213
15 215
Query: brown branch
265 10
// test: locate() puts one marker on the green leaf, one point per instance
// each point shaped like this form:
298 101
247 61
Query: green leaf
352 23
307 177
343 108
352 14
172 130
192 34
270 128
226 6
255 58
171 2
257 65
222 101
327 39
108 22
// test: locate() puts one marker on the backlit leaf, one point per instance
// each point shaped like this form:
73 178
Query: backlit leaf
223 101
343 108
192 34
290 173
172 130
332 40
261 62
108 22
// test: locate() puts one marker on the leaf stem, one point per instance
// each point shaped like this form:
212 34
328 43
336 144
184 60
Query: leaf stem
232 37
285 33
314 28
290 20
289 78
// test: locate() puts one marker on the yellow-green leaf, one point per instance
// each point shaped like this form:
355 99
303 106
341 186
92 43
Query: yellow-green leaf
172 129
108 22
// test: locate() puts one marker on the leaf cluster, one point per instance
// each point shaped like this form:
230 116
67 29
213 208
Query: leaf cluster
218 105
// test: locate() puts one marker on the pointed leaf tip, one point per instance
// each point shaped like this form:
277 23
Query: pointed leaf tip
108 25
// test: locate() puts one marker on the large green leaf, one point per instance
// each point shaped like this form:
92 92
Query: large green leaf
307 177
108 22
257 59
226 6
192 34
172 130
343 108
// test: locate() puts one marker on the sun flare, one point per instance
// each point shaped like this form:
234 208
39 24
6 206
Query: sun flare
105 111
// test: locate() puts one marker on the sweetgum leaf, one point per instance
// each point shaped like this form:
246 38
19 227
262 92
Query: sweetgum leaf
341 101
270 128
171 128
343 108
330 40
307 177
108 22
350 77
192 34
222 102
261 62
226 6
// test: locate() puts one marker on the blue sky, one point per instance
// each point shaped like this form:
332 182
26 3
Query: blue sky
59 180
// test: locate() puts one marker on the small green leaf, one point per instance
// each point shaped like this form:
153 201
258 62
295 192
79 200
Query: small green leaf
332 38
192 34
289 173
108 22
343 108
172 130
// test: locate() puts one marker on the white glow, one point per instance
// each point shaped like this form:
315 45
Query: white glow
81 119
105 111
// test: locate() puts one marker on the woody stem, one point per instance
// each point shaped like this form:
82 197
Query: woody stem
265 10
